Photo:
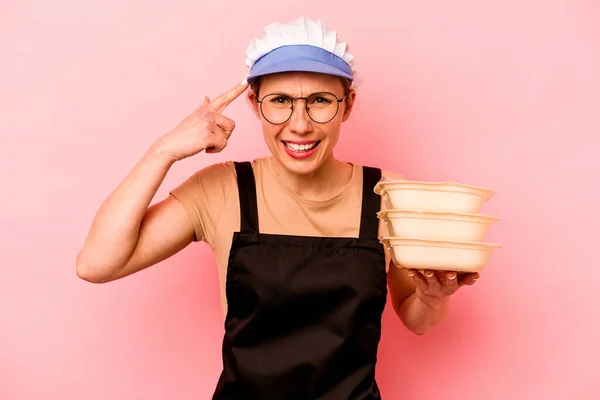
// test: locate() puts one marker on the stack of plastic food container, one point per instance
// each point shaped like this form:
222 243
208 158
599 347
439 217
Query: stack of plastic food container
436 225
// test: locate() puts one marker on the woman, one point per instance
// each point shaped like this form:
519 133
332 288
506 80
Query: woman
303 276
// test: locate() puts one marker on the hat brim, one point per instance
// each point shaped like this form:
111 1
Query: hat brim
298 66
300 58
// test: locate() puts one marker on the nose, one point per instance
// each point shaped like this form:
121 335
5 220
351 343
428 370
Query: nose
300 122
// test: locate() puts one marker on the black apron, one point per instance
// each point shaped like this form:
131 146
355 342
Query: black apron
304 313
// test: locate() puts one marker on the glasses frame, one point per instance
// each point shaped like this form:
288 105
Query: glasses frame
305 107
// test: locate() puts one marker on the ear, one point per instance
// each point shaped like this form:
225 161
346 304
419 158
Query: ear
349 104
253 103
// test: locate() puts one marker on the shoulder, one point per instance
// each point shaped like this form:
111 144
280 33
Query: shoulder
207 188
392 175
385 173
216 173
215 177
204 195
219 178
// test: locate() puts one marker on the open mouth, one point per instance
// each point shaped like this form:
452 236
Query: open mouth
301 147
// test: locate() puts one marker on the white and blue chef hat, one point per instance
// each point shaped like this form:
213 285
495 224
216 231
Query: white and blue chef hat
302 45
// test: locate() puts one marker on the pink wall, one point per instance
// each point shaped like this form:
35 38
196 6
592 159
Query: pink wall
504 95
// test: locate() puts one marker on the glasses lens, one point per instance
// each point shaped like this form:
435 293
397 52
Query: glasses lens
322 107
276 108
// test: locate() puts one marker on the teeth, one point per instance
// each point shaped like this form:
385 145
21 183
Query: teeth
300 147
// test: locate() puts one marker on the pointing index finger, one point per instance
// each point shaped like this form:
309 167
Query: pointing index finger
222 101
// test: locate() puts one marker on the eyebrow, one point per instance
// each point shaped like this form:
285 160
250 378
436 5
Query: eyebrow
290 95
282 93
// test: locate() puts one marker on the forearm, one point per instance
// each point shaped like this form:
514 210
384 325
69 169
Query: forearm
419 315
114 231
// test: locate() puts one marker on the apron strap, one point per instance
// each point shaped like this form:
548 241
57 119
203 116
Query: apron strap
369 223
247 193
371 204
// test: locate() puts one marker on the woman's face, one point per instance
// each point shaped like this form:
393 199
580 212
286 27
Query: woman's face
300 144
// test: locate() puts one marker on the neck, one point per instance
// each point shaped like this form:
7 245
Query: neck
320 184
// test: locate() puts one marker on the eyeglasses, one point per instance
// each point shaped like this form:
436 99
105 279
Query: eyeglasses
321 107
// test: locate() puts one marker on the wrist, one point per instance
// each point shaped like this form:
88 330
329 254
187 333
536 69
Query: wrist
159 154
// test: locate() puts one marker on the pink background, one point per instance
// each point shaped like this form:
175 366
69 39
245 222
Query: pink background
499 94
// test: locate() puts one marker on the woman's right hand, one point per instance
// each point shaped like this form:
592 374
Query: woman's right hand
204 129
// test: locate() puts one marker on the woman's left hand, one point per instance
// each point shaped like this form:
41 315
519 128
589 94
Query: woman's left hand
434 287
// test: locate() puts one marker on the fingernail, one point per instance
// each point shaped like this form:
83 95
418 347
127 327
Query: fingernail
451 276
410 273
203 97
429 274
245 81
